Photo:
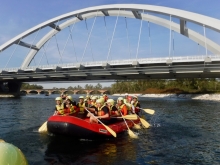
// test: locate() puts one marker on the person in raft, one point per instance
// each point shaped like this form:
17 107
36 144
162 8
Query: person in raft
100 111
81 106
121 106
135 105
59 109
112 108
70 107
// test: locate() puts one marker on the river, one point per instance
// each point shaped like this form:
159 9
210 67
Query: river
182 132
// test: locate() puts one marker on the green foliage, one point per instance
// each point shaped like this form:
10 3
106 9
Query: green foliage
30 86
194 85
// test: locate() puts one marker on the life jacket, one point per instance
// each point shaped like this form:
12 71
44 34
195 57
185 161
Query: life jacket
60 109
135 105
71 110
121 108
92 104
81 108
110 110
101 112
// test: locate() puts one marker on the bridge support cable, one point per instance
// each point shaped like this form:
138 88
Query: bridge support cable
198 49
73 43
66 42
129 50
109 50
173 52
12 53
149 36
106 33
58 48
205 41
32 45
89 35
170 38
47 45
139 37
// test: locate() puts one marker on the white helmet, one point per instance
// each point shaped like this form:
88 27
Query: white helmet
120 99
70 98
111 101
58 98
81 97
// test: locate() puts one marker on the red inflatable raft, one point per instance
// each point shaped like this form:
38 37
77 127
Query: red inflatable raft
82 128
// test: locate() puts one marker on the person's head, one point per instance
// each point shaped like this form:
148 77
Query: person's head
81 99
94 99
69 99
110 102
58 100
126 95
88 97
99 103
135 98
120 101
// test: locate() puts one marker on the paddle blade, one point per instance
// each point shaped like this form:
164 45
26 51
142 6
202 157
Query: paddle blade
110 130
144 123
132 134
130 117
43 128
136 126
150 111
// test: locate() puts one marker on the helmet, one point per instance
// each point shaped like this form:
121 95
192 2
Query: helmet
81 97
94 98
88 96
70 98
110 101
99 101
102 99
135 97
120 99
58 98
126 94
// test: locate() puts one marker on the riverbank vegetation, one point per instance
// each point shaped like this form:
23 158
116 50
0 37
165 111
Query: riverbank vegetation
195 85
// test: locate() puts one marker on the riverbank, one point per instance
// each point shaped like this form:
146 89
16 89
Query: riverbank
214 97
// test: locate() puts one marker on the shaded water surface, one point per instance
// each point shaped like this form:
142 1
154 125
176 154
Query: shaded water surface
182 132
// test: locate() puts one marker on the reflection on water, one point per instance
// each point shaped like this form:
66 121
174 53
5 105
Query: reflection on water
182 132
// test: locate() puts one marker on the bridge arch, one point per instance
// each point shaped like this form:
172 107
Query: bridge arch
126 10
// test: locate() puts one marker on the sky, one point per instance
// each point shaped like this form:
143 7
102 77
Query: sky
18 16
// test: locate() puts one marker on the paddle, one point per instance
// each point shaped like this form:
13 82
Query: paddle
136 126
43 128
144 122
130 133
108 128
150 111
129 117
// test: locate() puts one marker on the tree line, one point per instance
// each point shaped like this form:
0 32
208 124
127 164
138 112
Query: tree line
195 85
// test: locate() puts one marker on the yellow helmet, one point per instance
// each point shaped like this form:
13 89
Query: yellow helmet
111 101
70 98
102 99
58 98
81 97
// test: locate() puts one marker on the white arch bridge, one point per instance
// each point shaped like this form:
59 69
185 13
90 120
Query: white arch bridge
90 67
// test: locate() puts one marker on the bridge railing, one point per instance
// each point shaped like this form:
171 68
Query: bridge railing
117 62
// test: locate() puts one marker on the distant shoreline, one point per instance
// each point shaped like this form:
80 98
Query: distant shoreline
214 97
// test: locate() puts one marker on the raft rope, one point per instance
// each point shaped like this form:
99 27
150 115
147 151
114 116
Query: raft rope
48 45
88 40
73 42
139 37
129 50
109 50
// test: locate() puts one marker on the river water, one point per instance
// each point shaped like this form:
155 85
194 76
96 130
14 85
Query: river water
183 132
